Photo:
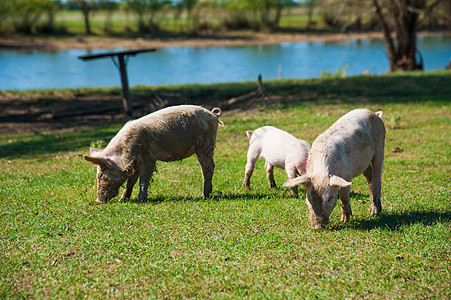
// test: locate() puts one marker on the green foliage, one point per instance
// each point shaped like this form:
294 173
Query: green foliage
127 17
152 10
55 243
26 13
341 73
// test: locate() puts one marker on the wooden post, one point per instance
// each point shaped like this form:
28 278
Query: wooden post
126 100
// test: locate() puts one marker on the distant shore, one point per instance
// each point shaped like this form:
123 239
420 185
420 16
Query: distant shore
221 40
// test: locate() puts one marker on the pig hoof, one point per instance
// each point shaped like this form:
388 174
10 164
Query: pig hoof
375 211
317 226
345 217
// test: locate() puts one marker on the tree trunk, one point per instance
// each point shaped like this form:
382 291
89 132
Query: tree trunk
86 18
279 8
402 49
310 7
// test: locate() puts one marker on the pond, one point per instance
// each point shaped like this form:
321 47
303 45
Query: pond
35 69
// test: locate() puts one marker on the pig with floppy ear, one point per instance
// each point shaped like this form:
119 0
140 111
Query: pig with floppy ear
321 195
110 174
353 145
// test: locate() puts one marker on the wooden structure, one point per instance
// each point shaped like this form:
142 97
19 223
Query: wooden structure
121 64
248 99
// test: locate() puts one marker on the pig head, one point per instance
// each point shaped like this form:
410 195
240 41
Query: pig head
352 146
111 174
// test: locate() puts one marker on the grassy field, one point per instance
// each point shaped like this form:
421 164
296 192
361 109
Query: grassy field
124 23
55 243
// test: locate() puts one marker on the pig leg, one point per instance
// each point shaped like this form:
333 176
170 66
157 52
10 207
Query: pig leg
369 178
207 166
145 174
129 187
292 173
346 211
376 184
252 157
270 175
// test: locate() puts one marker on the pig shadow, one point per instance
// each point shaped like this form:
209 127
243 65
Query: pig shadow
215 196
392 220
395 221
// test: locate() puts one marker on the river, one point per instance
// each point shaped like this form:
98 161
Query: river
35 69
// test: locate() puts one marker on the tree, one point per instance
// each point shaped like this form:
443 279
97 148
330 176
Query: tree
310 6
155 9
50 8
189 5
25 14
139 7
400 20
265 14
346 15
85 6
152 10
109 7
5 10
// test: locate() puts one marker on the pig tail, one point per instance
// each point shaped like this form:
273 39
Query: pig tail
217 111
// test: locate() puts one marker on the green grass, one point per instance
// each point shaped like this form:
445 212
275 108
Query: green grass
55 243
125 24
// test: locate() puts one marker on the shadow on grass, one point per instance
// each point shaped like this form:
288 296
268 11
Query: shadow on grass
396 220
393 88
215 196
52 143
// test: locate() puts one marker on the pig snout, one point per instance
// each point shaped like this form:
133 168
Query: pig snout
106 192
318 222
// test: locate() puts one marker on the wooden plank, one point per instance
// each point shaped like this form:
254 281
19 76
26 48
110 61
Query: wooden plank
114 53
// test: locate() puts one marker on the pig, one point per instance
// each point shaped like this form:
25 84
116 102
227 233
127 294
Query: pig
279 149
353 145
170 134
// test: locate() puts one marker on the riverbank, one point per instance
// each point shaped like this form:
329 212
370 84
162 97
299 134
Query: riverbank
242 38
81 109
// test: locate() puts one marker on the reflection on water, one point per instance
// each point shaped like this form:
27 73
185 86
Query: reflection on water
34 69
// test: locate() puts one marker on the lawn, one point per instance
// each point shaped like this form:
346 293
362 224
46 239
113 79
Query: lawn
55 243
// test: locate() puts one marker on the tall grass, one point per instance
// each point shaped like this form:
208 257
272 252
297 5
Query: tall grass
55 243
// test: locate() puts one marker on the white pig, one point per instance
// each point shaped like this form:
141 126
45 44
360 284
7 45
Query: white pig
170 134
351 146
280 149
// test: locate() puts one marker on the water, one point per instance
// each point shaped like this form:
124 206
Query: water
35 69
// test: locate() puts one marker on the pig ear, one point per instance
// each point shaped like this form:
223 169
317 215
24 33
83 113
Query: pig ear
101 161
94 151
304 180
337 181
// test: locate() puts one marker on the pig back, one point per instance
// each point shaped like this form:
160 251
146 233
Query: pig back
349 145
175 133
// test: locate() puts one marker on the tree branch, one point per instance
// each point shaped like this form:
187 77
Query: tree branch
386 29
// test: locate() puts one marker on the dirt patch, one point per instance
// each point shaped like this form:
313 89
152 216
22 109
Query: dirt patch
36 112
224 39
244 38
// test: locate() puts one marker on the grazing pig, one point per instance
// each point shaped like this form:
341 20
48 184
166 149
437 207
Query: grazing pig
350 147
170 134
280 149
